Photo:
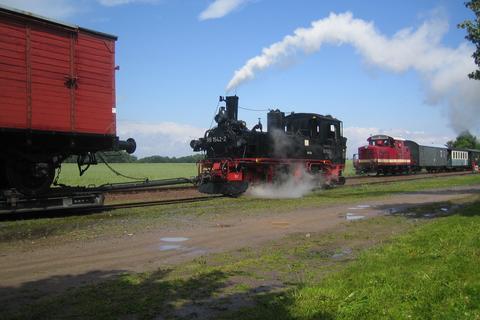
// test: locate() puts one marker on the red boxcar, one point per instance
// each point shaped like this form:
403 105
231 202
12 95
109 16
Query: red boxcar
57 97
55 77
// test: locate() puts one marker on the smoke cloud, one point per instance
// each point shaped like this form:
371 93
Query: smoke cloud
282 144
289 185
443 69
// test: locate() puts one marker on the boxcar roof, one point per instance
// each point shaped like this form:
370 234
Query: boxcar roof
31 16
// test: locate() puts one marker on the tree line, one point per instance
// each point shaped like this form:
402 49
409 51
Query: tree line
123 157
465 140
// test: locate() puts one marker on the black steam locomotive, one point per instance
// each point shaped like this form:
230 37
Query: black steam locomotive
294 144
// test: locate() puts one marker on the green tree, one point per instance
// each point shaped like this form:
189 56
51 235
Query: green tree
473 34
465 140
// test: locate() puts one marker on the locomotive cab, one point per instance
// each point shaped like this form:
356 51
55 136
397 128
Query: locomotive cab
322 136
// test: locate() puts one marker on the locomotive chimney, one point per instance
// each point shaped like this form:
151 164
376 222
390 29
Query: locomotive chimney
232 107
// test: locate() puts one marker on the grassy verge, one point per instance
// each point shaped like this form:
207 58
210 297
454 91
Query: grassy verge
388 267
124 221
430 273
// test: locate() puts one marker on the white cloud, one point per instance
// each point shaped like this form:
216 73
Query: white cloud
443 69
220 8
162 138
59 9
113 3
357 137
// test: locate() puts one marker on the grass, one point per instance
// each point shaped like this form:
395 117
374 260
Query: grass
430 273
123 221
389 268
349 169
100 174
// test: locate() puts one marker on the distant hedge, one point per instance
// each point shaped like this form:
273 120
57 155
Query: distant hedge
123 157
160 159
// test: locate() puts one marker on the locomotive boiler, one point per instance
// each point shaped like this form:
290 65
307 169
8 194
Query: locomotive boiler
293 145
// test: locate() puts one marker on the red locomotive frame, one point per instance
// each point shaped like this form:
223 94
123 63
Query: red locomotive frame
238 174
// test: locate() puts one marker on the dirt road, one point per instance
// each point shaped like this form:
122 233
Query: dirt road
158 248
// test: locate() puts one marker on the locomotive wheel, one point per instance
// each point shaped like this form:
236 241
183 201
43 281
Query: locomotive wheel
31 179
231 189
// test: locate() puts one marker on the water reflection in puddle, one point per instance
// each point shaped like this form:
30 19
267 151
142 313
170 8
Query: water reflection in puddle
360 207
168 247
353 217
174 239
393 211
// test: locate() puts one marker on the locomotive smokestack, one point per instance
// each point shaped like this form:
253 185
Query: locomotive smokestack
232 107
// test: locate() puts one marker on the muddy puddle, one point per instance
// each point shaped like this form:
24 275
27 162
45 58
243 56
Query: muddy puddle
174 239
353 217
172 243
360 207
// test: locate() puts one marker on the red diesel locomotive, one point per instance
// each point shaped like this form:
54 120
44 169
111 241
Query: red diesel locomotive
383 155
387 155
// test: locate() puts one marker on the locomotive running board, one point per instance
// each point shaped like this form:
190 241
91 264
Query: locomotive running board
15 203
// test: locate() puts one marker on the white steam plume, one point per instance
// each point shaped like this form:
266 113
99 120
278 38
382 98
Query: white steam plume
291 185
444 69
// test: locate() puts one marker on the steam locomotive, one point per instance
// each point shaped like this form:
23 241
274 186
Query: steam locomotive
388 155
294 145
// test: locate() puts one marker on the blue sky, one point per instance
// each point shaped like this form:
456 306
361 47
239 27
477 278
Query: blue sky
176 57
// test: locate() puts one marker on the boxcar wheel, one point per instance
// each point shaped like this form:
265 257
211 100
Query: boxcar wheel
31 179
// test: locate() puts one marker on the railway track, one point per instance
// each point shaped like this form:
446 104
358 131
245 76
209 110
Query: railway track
94 209
166 195
350 181
138 204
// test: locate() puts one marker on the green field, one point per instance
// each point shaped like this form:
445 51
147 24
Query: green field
100 174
